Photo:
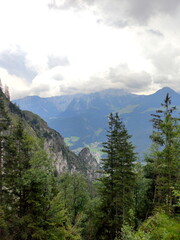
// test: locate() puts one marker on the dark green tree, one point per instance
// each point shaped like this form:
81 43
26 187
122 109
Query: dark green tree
164 161
16 163
74 193
117 181
4 124
142 198
28 185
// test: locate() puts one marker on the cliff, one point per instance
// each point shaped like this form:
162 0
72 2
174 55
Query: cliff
65 160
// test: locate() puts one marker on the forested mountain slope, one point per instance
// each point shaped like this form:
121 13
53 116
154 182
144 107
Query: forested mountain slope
65 160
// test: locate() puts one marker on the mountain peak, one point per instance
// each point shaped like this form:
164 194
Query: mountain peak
84 151
89 163
166 90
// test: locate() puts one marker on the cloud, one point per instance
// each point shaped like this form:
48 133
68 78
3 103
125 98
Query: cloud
120 13
167 60
41 89
68 4
136 11
76 46
18 87
157 33
128 79
64 90
119 23
54 61
171 81
15 63
141 11
58 77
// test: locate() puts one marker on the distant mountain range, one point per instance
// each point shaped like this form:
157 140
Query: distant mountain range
83 118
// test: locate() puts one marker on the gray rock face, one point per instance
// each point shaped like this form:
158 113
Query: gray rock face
64 159
52 146
91 165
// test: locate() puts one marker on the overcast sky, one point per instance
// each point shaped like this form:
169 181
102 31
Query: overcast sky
55 47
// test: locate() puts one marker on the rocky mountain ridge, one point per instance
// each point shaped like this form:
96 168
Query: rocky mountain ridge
54 145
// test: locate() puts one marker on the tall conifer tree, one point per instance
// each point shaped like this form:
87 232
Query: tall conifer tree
117 180
4 124
166 162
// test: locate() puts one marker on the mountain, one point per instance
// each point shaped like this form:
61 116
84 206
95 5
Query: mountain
54 145
82 118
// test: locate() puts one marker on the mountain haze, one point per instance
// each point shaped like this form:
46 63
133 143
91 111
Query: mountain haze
82 118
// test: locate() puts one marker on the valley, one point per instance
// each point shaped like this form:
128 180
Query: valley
82 118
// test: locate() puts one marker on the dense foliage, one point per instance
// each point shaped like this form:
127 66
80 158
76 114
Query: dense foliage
117 181
129 201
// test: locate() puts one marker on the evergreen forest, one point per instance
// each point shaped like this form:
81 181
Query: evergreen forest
129 200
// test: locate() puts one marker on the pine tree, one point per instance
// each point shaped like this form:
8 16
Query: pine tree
4 124
26 179
117 182
166 155
18 152
30 191
74 193
6 92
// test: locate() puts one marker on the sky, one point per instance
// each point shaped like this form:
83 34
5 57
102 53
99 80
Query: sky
60 47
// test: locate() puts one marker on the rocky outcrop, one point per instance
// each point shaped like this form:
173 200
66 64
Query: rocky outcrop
91 165
64 159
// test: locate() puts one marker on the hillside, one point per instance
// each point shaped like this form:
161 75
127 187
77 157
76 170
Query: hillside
82 118
65 160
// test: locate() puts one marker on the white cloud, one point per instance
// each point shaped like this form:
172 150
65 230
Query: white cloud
18 87
60 47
